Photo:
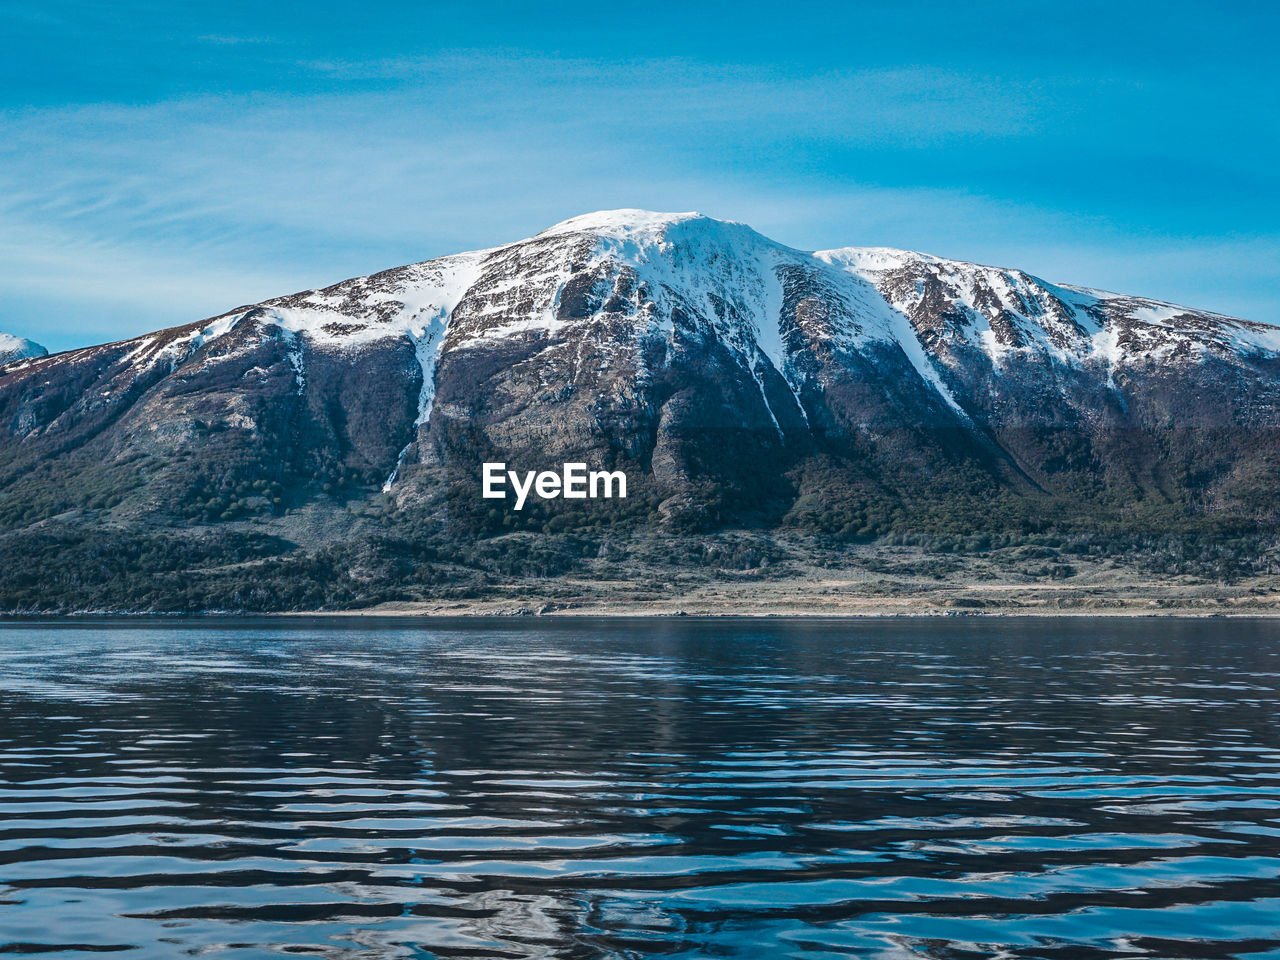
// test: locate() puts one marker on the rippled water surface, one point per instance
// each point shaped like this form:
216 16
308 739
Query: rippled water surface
678 789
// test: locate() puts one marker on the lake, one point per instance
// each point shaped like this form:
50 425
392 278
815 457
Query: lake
529 788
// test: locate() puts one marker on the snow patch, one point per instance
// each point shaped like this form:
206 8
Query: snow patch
297 360
19 348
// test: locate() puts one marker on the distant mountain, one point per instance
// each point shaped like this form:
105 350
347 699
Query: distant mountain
845 394
19 348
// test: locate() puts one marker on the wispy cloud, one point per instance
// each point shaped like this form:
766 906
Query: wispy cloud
115 215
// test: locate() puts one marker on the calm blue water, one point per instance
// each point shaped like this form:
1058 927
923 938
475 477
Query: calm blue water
1055 789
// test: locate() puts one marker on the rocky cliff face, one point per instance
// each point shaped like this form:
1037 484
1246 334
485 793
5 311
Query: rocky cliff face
735 379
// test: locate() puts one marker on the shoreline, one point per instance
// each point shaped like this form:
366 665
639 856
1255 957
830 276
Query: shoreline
478 613
1094 591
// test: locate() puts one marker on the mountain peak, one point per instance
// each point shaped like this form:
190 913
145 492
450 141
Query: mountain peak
645 228
624 222
19 348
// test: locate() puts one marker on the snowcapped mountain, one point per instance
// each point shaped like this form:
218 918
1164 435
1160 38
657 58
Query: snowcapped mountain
737 379
19 348
732 283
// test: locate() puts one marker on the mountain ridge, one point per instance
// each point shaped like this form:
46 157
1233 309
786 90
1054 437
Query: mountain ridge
852 394
639 226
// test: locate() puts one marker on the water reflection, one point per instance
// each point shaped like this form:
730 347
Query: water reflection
684 789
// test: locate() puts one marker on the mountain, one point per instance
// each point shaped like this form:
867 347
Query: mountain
846 395
18 348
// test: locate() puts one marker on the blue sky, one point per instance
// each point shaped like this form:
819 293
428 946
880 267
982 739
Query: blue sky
161 162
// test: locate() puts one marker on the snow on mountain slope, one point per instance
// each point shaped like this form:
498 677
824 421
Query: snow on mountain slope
725 277
1008 314
720 275
19 348
414 301
716 269
684 275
